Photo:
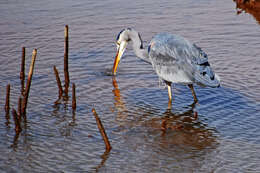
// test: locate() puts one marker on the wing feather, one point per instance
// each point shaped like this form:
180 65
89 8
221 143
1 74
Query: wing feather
175 59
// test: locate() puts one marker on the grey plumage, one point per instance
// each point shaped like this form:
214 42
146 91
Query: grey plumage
177 60
174 59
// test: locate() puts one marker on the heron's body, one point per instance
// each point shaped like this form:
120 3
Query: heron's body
177 60
173 58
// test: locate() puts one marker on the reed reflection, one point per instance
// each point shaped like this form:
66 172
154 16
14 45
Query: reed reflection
104 158
168 128
15 141
64 123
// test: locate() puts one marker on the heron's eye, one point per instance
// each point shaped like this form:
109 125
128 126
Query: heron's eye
118 43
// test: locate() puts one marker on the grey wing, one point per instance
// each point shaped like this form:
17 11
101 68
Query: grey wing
177 60
203 73
168 62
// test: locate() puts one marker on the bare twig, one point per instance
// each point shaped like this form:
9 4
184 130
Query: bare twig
102 130
66 57
7 100
18 128
58 81
7 105
28 84
19 109
22 76
74 104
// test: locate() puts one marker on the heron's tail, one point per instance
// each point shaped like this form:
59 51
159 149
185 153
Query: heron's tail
206 77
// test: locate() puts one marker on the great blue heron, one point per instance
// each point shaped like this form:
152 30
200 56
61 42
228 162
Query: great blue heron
173 58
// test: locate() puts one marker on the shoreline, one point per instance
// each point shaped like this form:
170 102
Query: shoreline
249 6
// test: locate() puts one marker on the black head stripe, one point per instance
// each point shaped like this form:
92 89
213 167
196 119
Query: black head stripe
117 38
141 46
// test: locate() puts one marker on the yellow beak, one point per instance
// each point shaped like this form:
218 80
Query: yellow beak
119 54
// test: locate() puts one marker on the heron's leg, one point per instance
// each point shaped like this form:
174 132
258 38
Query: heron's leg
193 93
169 94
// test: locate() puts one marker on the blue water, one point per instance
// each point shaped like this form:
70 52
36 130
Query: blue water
223 137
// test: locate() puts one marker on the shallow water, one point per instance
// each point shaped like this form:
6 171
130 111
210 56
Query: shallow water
224 138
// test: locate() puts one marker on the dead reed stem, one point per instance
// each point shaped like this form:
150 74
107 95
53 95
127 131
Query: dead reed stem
66 61
7 117
18 128
22 76
20 108
58 81
74 104
28 84
7 100
102 131
7 106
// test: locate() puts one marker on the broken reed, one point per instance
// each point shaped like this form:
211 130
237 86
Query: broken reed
7 99
66 61
22 103
16 118
7 104
58 81
102 130
64 92
74 104
19 109
22 76
28 84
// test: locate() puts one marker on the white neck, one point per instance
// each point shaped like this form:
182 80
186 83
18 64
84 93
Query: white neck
138 46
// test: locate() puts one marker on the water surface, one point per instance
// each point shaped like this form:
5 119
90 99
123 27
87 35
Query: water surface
133 106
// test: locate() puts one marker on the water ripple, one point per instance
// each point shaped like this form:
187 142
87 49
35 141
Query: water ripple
144 134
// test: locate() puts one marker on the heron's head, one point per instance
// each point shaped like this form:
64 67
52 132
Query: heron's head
121 42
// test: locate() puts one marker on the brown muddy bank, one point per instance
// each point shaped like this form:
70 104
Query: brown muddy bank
249 6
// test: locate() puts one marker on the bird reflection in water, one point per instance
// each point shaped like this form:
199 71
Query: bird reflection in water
183 129
178 129
119 103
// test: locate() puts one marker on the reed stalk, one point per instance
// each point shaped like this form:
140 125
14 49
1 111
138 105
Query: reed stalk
28 84
102 131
